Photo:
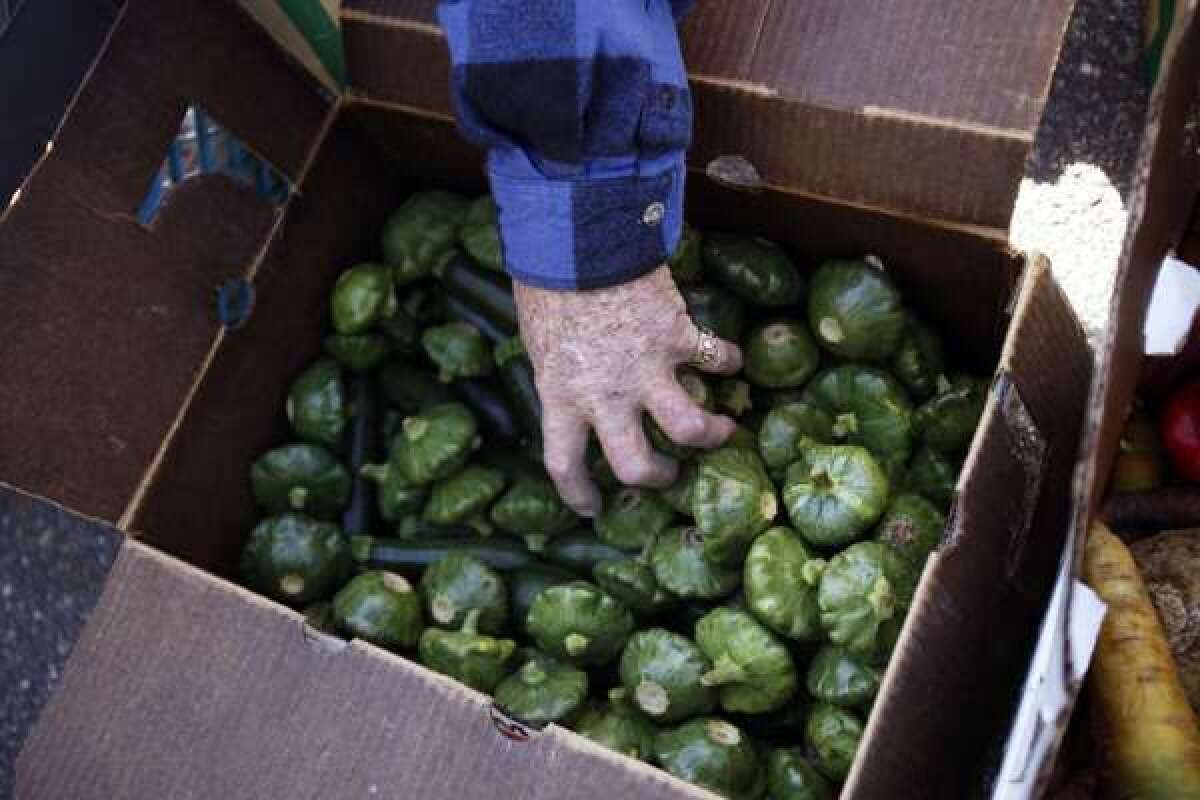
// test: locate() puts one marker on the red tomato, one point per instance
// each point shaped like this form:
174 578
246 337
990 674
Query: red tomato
1179 427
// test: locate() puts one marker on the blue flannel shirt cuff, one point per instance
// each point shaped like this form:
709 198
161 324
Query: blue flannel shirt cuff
587 232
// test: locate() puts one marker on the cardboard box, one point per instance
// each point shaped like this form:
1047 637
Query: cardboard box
1163 214
901 132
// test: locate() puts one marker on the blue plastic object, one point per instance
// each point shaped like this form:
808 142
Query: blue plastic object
203 146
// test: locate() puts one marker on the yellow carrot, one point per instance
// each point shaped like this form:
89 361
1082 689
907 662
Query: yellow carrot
1151 737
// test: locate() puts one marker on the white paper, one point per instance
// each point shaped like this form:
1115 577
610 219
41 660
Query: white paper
1173 305
1049 691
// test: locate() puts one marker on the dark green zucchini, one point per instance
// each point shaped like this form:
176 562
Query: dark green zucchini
414 529
516 374
410 388
461 310
403 555
580 551
487 292
362 448
492 408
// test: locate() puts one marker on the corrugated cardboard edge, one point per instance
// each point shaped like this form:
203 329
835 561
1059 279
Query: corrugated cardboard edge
227 697
998 562
801 144
1165 183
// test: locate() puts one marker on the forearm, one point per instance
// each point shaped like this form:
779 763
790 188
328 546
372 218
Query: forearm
585 112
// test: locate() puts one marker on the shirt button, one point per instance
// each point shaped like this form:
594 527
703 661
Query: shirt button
667 98
654 214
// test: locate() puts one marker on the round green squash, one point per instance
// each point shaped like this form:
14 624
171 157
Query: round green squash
835 676
780 580
855 311
542 690
919 361
464 494
435 444
780 354
713 754
301 477
459 583
716 310
662 672
682 568
631 580
757 270
632 518
295 559
317 407
532 510
360 352
618 725
791 776
395 496
734 397
687 262
526 583
865 592
422 233
734 501
934 476
679 494
381 608
947 422
580 623
362 297
752 668
834 494
459 351
833 735
470 657
913 526
480 234
787 430
869 408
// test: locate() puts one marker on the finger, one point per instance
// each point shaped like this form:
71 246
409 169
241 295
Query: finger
633 460
707 352
564 450
682 420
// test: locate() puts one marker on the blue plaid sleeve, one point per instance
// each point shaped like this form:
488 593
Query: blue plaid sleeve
585 112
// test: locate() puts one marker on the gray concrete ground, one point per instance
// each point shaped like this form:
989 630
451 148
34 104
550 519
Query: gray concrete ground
1070 207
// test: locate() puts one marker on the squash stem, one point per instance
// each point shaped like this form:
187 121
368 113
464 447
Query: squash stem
882 598
297 497
376 473
415 428
844 425
812 571
360 548
471 622
576 644
724 671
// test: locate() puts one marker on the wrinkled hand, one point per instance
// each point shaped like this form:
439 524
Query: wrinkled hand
602 358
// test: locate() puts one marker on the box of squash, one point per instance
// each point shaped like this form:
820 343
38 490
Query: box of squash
345 573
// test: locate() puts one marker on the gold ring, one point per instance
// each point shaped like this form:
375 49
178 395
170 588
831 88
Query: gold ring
708 348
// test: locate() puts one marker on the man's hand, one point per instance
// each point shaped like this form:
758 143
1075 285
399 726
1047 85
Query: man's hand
602 358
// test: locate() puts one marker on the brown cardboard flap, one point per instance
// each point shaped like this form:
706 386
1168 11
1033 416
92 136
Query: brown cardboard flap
186 686
986 587
108 321
927 107
1165 184
332 223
